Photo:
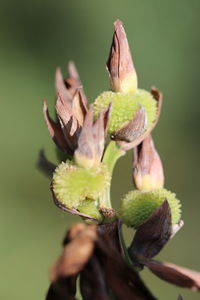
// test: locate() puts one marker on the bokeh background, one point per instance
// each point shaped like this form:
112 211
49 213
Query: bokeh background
37 36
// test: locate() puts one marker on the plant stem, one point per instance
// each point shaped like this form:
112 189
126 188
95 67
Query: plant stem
111 155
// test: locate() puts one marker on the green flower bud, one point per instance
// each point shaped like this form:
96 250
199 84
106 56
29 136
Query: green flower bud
124 107
72 184
137 206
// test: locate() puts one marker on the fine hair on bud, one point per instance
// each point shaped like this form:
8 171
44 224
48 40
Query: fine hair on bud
72 185
137 206
125 106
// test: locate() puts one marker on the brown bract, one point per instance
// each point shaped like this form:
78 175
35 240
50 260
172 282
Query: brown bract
75 128
152 235
134 135
94 255
76 253
92 138
175 274
133 129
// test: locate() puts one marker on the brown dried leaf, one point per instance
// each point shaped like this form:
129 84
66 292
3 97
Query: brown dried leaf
152 235
74 82
54 129
92 281
68 122
175 274
76 253
124 282
61 88
62 289
79 109
129 145
85 141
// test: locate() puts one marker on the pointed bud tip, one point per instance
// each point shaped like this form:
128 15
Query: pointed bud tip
120 65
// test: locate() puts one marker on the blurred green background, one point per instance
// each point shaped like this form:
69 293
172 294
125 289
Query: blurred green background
37 36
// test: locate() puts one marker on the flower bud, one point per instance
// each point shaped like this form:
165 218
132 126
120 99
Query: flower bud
147 166
91 139
72 184
125 106
137 206
120 65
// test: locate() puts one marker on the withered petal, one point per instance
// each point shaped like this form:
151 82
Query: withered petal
75 254
175 274
129 145
61 88
54 129
132 129
152 235
44 165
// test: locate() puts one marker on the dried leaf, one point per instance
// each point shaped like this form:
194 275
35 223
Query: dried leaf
62 289
174 274
74 82
61 88
124 282
152 235
85 141
76 253
92 281
79 109
44 165
55 130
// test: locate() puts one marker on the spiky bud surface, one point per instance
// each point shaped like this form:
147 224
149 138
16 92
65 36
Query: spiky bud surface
72 184
124 107
137 206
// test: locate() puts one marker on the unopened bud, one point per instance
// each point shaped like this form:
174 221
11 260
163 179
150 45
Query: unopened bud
120 65
147 166
73 185
137 206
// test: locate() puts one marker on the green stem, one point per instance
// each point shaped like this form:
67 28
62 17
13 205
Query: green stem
111 155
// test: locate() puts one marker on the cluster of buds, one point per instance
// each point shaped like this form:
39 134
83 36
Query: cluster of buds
91 139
